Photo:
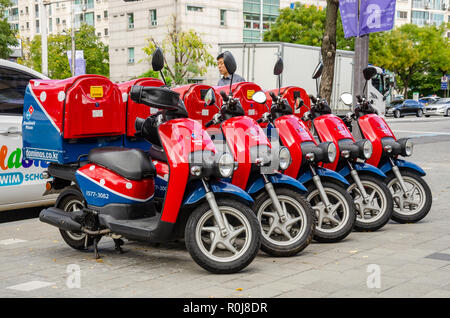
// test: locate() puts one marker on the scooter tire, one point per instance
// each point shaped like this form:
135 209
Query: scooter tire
339 235
220 267
372 181
71 196
281 250
416 217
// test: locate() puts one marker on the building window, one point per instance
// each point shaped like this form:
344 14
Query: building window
194 8
402 14
106 31
37 26
223 17
26 10
28 25
130 18
99 17
105 14
50 25
153 18
99 34
58 21
131 55
36 9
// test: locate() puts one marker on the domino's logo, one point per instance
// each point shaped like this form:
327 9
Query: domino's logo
29 112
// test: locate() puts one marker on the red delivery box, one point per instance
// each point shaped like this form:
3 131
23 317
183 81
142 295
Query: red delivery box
71 116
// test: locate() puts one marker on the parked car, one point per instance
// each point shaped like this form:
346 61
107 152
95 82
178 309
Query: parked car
21 181
400 108
428 100
440 107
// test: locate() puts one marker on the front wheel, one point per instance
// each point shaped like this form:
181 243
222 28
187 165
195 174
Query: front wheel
419 113
374 212
335 223
290 237
223 254
416 204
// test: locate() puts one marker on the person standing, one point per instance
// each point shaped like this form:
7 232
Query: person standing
226 77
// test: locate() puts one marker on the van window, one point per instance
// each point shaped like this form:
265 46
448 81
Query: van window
12 90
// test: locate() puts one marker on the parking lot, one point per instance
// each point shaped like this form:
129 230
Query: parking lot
400 260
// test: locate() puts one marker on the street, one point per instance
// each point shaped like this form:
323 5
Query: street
400 260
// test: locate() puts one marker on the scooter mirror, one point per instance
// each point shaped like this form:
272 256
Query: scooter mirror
318 71
369 72
157 60
347 99
278 69
210 97
230 62
299 103
259 97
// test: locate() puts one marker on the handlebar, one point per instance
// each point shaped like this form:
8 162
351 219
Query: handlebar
272 94
209 123
259 121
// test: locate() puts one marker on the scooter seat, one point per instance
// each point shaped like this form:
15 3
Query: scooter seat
157 153
132 164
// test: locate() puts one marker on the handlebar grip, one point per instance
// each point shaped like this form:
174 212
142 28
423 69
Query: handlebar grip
259 121
272 94
313 99
224 96
209 123
138 123
359 98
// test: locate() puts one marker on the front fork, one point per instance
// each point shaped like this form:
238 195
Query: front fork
355 177
399 177
319 186
215 208
273 196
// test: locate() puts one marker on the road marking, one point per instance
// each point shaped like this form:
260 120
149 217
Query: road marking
11 241
33 285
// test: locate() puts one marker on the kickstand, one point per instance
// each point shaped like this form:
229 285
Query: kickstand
118 243
96 255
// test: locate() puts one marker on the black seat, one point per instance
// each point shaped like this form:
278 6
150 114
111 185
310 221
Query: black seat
157 153
132 164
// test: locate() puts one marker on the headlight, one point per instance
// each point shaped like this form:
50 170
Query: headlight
331 152
285 158
226 165
367 149
407 146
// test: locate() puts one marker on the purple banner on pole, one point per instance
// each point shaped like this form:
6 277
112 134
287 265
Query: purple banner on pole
349 16
376 15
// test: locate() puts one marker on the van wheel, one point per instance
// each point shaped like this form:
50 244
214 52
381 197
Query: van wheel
73 201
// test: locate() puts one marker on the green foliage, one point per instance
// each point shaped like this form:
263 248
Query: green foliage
95 53
418 56
154 74
187 53
7 35
305 25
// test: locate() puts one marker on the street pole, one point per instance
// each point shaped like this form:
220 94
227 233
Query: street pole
261 11
73 37
360 62
43 23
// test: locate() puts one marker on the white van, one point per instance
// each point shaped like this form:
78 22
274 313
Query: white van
21 181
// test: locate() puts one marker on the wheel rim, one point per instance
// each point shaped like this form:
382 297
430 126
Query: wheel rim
223 249
335 220
376 206
72 206
285 233
415 200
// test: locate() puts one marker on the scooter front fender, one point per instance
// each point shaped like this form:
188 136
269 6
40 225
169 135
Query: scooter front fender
324 173
216 186
403 164
277 178
363 167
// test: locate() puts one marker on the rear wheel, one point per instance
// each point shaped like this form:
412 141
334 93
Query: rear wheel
416 204
447 113
284 238
212 251
375 212
336 224
72 200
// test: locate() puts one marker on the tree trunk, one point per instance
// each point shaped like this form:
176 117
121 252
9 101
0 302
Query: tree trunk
329 49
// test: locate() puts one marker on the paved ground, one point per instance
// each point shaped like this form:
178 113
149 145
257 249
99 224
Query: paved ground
412 260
